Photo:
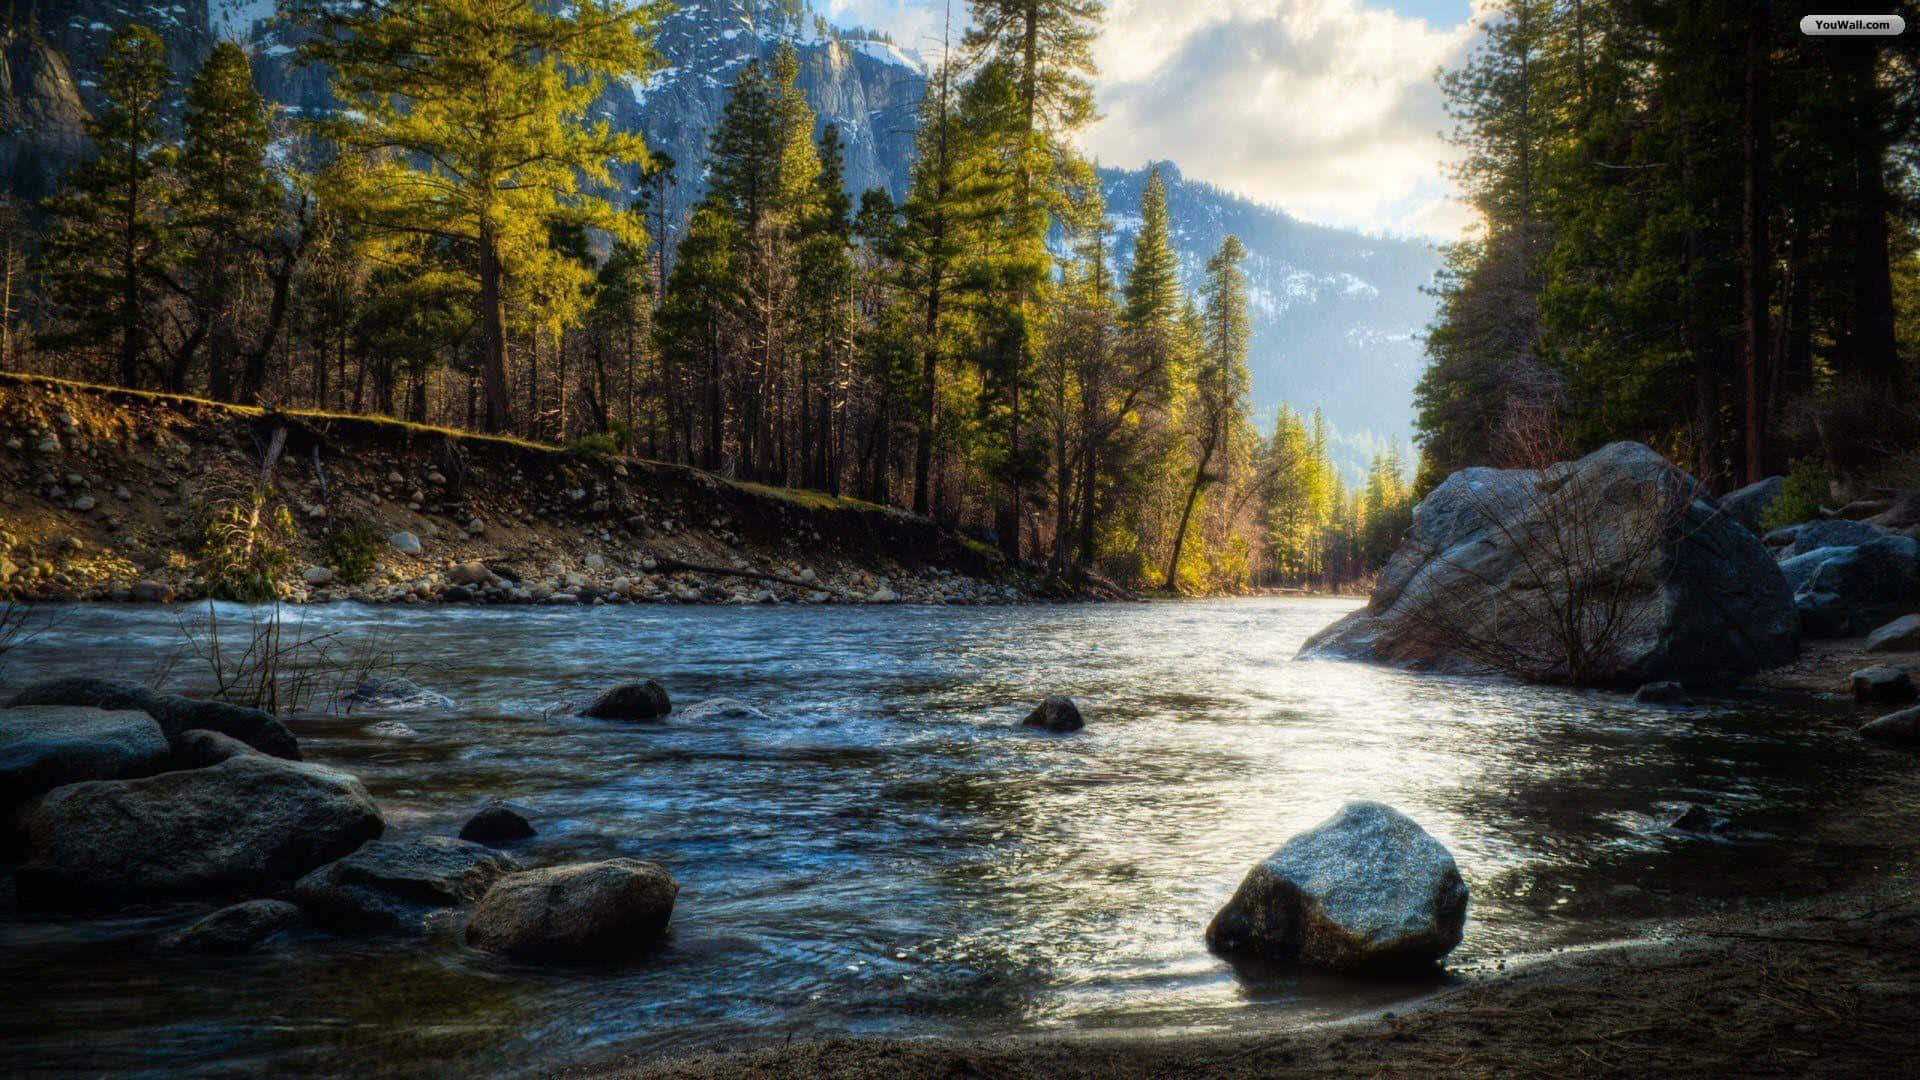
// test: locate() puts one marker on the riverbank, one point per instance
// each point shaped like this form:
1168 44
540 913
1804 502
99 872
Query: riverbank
1823 987
104 492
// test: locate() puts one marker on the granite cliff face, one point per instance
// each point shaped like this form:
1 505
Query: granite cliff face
40 113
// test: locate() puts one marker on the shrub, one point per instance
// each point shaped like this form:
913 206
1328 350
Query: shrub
240 546
353 550
597 445
1800 499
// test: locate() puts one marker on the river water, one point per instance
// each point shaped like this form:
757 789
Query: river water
890 854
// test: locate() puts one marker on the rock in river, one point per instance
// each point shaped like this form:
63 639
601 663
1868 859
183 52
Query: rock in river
722 709
1056 713
45 746
391 883
249 825
645 700
1662 693
394 694
1367 889
1881 686
1681 591
583 911
237 928
1895 729
496 825
176 715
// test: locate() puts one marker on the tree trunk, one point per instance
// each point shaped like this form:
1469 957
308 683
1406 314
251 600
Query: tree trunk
493 333
1757 258
1172 583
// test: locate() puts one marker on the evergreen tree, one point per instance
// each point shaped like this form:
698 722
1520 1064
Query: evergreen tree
1220 382
111 243
473 115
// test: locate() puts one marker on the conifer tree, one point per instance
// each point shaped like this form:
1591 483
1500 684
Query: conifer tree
473 115
1220 383
111 241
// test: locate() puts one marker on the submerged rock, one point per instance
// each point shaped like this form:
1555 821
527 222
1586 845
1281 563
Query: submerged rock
1881 686
584 911
250 824
45 746
1895 729
496 825
1900 635
1690 594
1698 819
392 883
722 709
1662 693
238 928
394 694
645 700
175 714
1367 889
1056 713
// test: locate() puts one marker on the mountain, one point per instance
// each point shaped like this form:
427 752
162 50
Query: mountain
1336 314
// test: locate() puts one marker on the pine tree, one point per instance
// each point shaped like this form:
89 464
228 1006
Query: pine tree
1220 382
111 243
474 117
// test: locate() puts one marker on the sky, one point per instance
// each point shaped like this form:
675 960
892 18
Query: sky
1324 108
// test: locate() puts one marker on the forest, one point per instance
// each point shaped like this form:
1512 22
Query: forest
462 243
1701 231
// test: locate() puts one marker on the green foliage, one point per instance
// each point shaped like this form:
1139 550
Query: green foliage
1800 499
353 551
239 546
599 444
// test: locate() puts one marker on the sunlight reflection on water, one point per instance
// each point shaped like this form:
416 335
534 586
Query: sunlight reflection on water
890 853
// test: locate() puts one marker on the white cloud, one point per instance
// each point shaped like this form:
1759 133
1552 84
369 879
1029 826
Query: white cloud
1326 108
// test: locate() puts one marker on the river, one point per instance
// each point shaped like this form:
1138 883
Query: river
890 854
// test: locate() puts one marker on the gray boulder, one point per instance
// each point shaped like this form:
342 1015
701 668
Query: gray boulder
1749 504
45 746
198 749
645 700
1895 729
1781 537
237 928
1832 532
1900 635
721 710
393 883
576 912
1674 589
1881 686
1799 570
251 824
1056 713
175 714
1861 588
1367 889
394 694
497 824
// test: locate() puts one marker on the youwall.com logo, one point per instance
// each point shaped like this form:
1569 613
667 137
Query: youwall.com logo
1852 25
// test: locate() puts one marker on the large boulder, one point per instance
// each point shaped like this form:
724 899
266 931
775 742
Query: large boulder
249 825
1800 569
237 928
45 746
1832 532
1900 635
1367 889
581 911
393 883
1882 686
1749 504
1860 588
1621 543
644 700
175 714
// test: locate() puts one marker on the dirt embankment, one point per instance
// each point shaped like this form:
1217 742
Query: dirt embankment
101 491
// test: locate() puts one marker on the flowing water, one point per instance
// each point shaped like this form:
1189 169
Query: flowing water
890 854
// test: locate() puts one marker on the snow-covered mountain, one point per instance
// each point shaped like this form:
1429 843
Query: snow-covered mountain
1335 313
